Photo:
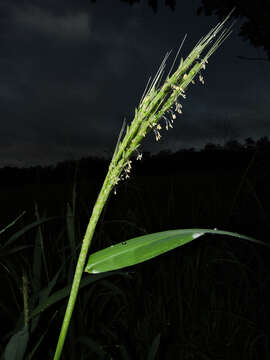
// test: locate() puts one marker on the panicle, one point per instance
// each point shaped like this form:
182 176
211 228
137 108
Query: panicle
156 102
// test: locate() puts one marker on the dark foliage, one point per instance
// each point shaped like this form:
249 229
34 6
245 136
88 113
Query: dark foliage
154 3
212 157
256 27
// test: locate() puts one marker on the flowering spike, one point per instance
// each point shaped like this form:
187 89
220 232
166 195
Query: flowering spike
158 101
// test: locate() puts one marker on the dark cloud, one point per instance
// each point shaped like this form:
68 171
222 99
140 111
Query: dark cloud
72 70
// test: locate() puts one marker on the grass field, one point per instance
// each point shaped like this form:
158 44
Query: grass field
206 300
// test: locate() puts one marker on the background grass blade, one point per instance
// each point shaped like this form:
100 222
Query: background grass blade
29 227
93 346
61 294
33 352
12 223
154 348
16 346
146 247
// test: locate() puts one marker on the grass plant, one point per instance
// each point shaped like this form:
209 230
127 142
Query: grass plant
158 103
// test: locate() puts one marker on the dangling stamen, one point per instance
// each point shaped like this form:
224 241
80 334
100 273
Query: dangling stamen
167 123
157 134
172 114
178 108
201 79
139 156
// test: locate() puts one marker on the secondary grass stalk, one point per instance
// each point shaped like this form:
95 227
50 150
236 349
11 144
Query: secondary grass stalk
155 104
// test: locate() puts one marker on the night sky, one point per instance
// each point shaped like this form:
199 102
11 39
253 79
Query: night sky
71 73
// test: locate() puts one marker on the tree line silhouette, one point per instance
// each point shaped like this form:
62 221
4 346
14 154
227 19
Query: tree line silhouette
213 157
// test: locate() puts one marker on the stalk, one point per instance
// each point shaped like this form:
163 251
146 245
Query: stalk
101 200
155 104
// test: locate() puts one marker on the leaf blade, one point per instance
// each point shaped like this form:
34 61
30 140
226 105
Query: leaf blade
146 247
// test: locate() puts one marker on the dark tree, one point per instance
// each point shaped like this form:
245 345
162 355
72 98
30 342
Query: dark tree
154 3
249 143
211 147
256 15
233 145
263 143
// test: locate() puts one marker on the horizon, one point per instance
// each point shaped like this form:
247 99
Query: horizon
233 145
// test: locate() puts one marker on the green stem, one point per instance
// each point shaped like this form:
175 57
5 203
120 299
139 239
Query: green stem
101 200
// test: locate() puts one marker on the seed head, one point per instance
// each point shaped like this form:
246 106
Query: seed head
159 100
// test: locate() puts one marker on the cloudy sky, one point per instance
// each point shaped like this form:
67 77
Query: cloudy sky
70 73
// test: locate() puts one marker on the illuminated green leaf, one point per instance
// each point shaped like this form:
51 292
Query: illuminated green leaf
146 247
